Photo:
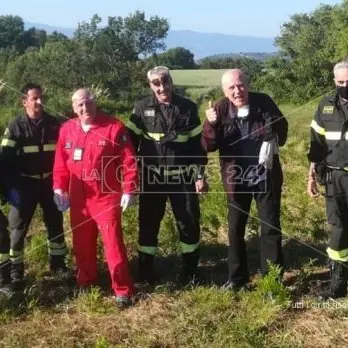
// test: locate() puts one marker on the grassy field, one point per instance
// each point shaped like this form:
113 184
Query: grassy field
198 78
53 314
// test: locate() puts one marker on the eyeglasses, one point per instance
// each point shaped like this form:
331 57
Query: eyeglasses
165 80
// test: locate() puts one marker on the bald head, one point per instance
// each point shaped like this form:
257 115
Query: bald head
84 106
233 74
235 86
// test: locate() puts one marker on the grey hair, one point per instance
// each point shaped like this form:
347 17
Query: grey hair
340 65
84 91
231 72
159 71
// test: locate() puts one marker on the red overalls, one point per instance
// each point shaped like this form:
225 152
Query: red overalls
89 166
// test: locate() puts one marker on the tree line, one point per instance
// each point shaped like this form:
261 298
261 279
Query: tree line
113 59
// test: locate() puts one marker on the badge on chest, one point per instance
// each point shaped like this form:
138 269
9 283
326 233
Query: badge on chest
78 153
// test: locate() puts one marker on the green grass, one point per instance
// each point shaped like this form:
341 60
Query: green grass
198 78
52 314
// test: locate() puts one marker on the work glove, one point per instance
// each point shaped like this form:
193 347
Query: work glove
266 153
13 197
127 200
61 199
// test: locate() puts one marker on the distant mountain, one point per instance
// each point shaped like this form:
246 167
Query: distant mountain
200 44
50 29
207 44
252 55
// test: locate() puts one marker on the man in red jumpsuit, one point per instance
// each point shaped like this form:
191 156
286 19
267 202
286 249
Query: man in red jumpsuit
92 153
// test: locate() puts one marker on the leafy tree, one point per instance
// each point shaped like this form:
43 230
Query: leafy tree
305 70
55 36
107 58
34 38
115 51
11 31
174 58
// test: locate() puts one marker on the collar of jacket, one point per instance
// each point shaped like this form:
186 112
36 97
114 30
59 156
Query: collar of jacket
26 119
155 103
226 104
100 119
332 99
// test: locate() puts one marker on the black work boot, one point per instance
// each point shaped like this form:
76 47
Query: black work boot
189 272
5 269
57 264
338 278
59 268
146 264
6 287
17 275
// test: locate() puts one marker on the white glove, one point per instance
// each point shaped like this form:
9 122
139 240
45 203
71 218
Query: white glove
61 199
266 153
127 200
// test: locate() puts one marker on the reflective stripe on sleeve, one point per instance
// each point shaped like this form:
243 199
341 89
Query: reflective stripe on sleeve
317 128
8 142
30 149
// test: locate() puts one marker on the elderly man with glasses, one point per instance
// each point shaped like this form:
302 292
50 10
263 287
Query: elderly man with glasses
166 131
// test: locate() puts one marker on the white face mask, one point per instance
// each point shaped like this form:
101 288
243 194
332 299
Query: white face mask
243 111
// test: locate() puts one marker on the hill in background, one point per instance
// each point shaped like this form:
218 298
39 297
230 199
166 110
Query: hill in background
200 44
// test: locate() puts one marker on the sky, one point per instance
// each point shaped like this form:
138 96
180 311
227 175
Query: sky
251 18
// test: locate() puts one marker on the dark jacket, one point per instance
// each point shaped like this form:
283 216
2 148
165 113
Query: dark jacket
265 121
28 147
172 142
329 134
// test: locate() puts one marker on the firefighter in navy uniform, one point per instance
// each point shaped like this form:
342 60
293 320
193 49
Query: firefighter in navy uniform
166 131
247 129
5 263
28 148
328 155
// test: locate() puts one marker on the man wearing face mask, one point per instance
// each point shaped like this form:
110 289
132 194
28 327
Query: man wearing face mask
328 154
247 128
166 131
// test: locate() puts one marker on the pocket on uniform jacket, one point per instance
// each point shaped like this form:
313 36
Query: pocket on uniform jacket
182 122
149 121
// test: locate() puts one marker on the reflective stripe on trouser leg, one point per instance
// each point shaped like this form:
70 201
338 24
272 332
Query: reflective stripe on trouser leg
188 248
338 246
16 257
151 211
4 257
335 255
57 249
337 206
149 250
185 205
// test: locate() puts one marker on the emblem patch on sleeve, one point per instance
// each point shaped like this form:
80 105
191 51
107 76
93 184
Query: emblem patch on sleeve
328 109
149 113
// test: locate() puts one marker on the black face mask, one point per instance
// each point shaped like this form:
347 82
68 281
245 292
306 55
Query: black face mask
342 91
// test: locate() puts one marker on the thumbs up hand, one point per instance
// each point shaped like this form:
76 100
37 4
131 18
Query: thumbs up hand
210 114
